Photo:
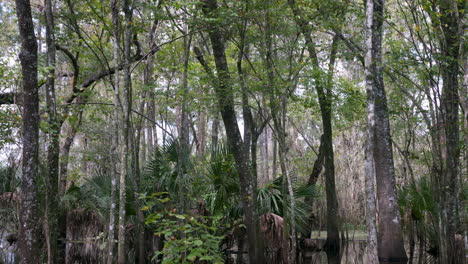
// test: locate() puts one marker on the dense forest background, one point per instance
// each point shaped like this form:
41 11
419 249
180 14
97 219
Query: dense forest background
233 131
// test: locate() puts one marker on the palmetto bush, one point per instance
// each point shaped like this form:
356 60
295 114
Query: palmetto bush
417 199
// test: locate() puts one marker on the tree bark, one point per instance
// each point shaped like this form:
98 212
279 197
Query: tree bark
202 133
152 140
183 126
53 148
390 239
371 210
450 100
136 181
115 135
125 167
29 245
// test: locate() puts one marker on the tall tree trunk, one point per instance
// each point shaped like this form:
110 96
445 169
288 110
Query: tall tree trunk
115 135
135 148
53 148
29 240
225 97
325 102
390 239
148 81
183 127
330 187
125 168
450 100
371 210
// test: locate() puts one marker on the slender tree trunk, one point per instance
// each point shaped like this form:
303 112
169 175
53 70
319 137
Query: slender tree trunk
224 94
183 126
115 136
313 178
201 132
62 185
215 131
125 168
325 98
136 176
266 156
65 155
142 142
275 155
332 200
464 99
53 149
390 239
151 139
29 245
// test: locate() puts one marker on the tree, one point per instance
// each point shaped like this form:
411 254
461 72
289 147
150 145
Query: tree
115 136
29 244
54 254
125 159
451 26
390 239
225 97
323 87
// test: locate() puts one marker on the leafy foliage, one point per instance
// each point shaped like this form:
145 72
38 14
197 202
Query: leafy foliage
186 237
8 181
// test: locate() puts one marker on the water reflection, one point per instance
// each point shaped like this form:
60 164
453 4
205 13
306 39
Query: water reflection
351 252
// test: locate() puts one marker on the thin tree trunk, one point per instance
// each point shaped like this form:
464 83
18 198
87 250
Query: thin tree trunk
215 131
136 176
202 132
62 184
152 137
183 126
29 240
53 148
325 98
115 136
125 169
390 239
313 177
275 156
266 156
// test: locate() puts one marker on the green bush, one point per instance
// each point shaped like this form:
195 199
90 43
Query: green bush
187 238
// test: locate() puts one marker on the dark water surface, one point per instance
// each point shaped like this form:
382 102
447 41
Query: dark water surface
351 252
